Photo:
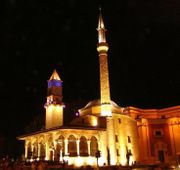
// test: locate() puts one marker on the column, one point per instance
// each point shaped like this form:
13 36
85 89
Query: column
77 144
39 146
66 147
89 148
32 151
47 151
54 151
26 150
60 154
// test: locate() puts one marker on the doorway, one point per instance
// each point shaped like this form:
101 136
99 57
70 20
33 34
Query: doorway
161 156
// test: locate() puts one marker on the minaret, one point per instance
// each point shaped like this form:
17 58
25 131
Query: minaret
54 105
102 48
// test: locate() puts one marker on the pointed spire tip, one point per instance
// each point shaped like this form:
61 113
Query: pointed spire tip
99 8
100 22
55 76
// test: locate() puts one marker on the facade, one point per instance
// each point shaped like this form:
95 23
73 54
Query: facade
159 134
122 135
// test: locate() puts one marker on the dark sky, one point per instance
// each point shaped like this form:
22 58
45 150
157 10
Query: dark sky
38 36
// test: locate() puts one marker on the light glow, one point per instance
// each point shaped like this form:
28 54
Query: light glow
94 121
131 160
102 48
106 110
90 160
79 161
66 158
123 159
101 161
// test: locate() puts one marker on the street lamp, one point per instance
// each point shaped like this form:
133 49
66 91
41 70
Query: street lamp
98 155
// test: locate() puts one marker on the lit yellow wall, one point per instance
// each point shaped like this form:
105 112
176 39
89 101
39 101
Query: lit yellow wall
54 116
111 140
127 127
96 110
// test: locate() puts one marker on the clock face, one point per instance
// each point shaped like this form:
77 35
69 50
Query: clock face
54 83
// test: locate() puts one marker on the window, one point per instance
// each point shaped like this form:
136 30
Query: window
117 151
119 120
163 116
158 133
138 117
72 148
129 139
116 138
83 147
93 146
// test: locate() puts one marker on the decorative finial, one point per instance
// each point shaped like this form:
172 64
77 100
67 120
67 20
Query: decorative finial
101 28
54 76
100 8
100 23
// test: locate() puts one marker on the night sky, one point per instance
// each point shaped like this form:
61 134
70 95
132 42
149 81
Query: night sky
37 37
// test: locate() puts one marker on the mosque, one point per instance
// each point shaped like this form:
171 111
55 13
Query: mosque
117 135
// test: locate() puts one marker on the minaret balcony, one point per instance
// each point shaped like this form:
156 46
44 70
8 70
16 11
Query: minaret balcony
102 47
106 110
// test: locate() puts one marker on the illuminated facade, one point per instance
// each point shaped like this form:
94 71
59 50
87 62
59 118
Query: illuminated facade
117 132
159 134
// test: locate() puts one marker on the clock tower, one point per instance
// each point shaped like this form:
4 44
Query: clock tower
54 105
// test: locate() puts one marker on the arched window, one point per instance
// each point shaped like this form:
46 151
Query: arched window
29 151
51 153
42 151
72 148
83 146
59 148
61 142
57 152
35 150
93 146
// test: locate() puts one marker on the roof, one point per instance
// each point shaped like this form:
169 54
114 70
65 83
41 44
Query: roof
97 102
60 128
55 76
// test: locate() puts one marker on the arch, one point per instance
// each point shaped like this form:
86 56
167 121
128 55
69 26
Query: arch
42 151
72 148
83 147
35 150
61 142
51 150
50 139
59 153
93 146
29 151
51 155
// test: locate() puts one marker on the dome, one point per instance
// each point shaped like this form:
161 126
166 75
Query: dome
97 102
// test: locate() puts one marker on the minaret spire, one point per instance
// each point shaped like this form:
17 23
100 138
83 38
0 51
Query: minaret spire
101 28
102 48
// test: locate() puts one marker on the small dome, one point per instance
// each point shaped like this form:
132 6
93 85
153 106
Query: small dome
97 102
